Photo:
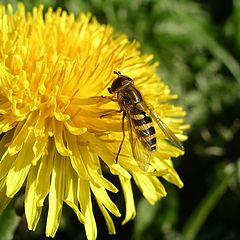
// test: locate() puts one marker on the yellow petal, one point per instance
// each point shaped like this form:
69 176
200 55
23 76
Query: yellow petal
172 175
107 217
7 125
129 200
39 147
106 155
20 168
151 187
20 134
32 211
43 177
56 195
84 198
76 157
6 164
174 178
100 181
4 200
71 191
73 129
102 196
91 160
58 137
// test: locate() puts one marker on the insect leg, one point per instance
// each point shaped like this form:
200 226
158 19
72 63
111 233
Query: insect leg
123 130
110 113
110 98
114 99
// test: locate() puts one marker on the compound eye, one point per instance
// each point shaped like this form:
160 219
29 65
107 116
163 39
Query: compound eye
110 90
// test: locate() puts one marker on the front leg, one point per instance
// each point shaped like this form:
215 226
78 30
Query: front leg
111 98
111 113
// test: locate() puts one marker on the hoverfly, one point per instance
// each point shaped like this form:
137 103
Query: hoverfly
139 118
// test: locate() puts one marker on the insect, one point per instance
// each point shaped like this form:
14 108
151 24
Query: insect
139 116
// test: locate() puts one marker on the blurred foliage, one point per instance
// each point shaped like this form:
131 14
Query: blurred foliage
198 46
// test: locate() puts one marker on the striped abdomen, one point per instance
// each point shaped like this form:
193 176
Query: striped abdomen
144 128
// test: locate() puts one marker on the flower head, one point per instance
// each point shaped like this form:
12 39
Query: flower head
53 139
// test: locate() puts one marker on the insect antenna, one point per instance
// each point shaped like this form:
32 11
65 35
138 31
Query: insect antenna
117 72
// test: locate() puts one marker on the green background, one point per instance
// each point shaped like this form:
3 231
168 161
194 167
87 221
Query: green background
198 46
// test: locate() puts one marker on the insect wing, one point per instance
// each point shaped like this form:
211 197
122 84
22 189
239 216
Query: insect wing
141 153
168 133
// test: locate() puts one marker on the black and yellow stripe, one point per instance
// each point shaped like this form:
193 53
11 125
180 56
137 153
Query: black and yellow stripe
144 128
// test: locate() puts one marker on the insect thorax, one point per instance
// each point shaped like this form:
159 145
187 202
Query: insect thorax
129 97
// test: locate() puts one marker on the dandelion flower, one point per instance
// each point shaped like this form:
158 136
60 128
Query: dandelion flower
54 144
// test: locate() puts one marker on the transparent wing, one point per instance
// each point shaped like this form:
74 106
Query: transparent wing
168 133
140 152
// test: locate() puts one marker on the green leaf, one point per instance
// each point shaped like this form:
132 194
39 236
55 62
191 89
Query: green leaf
8 223
202 211
145 215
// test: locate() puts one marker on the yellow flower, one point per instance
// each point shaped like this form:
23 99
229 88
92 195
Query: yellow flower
53 141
